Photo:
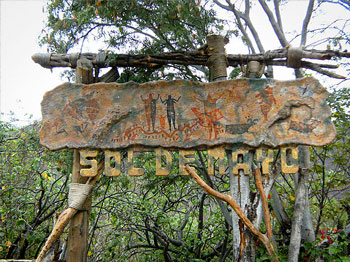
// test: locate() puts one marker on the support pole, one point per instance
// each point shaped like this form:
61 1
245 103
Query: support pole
300 206
79 225
217 57
218 71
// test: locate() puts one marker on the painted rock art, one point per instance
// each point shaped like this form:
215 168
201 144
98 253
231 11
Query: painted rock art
184 114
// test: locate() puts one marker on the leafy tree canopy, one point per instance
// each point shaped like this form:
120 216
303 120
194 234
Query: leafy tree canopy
139 26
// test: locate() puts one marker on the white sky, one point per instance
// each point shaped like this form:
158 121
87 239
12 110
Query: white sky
23 83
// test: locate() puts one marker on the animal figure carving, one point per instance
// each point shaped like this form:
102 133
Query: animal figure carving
302 127
210 119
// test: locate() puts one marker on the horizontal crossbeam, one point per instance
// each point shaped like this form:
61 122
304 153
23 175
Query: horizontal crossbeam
278 57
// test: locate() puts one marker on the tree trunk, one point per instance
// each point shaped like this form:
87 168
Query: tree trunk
307 233
300 206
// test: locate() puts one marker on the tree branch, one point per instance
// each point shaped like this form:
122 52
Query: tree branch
65 217
228 198
196 57
278 13
278 31
306 22
259 185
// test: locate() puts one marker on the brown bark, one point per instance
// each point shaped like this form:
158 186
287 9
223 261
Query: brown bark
196 57
79 225
265 206
65 217
227 198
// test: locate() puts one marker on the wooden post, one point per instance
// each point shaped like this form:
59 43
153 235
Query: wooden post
79 225
239 184
218 71
217 58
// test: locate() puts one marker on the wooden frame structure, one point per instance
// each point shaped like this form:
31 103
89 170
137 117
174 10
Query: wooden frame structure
212 55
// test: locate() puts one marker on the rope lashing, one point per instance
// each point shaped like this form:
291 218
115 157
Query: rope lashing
73 59
78 194
294 56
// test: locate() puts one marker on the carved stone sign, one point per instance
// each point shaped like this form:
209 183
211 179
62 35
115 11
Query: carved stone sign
184 114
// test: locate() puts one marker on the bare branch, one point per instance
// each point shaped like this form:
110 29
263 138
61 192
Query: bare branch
228 198
226 7
306 22
259 185
198 57
242 29
278 31
278 13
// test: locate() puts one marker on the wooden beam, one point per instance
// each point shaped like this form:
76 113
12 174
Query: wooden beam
276 57
79 225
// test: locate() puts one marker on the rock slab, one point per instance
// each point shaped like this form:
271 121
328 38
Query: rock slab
186 114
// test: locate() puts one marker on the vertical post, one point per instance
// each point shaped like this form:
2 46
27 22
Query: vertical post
301 207
239 185
254 69
79 225
217 58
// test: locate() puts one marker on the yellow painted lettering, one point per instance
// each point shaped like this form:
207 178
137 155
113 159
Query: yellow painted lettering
185 157
264 159
88 159
160 171
116 158
133 171
240 160
291 154
216 153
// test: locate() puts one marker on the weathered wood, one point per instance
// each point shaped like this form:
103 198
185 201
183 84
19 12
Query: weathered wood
299 207
267 218
197 57
60 225
217 60
228 198
16 260
79 224
68 215
183 114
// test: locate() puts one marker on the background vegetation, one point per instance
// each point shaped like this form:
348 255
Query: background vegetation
168 218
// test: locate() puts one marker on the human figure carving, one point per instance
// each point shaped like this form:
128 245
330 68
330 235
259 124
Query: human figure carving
170 109
211 114
154 110
150 104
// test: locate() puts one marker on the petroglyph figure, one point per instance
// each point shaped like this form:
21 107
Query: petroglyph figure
266 101
170 109
147 103
154 110
304 127
211 114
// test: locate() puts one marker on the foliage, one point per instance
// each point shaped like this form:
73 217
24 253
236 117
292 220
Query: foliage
133 27
33 187
152 218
